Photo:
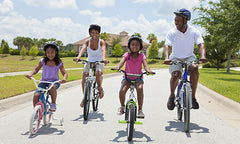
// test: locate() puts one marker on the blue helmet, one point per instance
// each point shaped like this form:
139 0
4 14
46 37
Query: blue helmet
184 13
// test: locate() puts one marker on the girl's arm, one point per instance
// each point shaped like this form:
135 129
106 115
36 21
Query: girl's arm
35 71
121 63
84 47
146 67
64 73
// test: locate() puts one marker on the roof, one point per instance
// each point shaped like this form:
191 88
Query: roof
123 35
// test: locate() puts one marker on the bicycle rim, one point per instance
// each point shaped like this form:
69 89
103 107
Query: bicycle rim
35 119
186 110
86 101
47 116
96 97
131 119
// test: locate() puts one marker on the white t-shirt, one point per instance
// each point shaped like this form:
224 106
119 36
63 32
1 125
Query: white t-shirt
94 55
183 43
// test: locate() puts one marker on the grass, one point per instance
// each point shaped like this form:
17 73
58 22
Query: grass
221 82
15 85
16 63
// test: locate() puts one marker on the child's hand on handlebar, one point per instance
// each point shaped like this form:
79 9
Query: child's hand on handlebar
28 76
167 61
62 81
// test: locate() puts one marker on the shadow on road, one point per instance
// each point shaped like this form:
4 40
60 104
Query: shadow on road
92 116
45 130
136 135
178 126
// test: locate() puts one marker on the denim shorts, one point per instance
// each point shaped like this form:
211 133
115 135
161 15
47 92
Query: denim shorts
44 85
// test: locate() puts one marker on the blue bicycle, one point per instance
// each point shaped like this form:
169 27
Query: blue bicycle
42 108
183 99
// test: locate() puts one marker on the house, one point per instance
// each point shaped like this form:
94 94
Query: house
124 43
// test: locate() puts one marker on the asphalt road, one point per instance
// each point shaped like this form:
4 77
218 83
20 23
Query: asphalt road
160 125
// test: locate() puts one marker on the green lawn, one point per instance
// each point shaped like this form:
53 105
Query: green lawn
221 82
14 85
16 63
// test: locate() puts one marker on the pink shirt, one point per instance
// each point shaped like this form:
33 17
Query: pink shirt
134 66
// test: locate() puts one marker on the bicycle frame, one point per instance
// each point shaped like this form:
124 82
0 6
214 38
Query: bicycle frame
44 95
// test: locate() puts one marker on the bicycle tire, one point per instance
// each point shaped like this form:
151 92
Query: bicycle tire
131 121
95 97
86 100
47 116
187 108
35 119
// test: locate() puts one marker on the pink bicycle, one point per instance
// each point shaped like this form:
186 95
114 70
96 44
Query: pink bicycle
42 108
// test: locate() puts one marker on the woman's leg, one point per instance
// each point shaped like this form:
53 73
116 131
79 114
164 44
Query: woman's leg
99 80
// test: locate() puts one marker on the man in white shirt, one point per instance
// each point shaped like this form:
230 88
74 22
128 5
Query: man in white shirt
181 40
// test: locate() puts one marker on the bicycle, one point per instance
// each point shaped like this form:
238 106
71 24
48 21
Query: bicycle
131 105
42 108
91 92
183 99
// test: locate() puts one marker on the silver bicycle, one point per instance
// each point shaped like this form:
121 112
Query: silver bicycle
91 92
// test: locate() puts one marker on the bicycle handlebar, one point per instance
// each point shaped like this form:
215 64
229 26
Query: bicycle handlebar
133 75
42 89
185 62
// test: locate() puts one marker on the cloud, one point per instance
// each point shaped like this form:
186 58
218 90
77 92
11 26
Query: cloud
6 6
144 1
103 3
141 25
89 12
59 4
63 29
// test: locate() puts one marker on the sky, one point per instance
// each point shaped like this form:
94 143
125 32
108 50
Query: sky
69 20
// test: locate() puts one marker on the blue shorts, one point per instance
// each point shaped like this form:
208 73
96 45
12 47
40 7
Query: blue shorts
44 85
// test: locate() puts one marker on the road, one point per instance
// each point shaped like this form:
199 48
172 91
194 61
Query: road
160 126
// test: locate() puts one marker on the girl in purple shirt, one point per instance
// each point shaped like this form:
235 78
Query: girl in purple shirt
51 64
134 61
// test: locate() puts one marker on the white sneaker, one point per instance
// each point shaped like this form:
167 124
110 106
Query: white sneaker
140 114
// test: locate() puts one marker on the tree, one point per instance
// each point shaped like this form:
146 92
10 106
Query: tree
151 37
138 34
18 41
33 51
115 41
105 36
221 20
153 50
23 52
5 47
117 50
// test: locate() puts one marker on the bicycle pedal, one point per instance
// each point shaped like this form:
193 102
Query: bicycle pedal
122 121
138 122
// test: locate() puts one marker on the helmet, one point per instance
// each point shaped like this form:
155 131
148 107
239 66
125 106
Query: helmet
51 43
95 27
135 37
184 13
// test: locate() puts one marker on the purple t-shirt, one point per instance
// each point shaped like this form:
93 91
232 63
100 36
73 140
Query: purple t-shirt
50 73
134 66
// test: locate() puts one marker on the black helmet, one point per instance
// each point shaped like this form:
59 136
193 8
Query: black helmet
95 27
51 43
135 37
184 13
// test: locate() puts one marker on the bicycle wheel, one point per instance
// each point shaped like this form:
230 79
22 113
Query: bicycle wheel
131 120
47 116
35 119
187 108
95 97
87 88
